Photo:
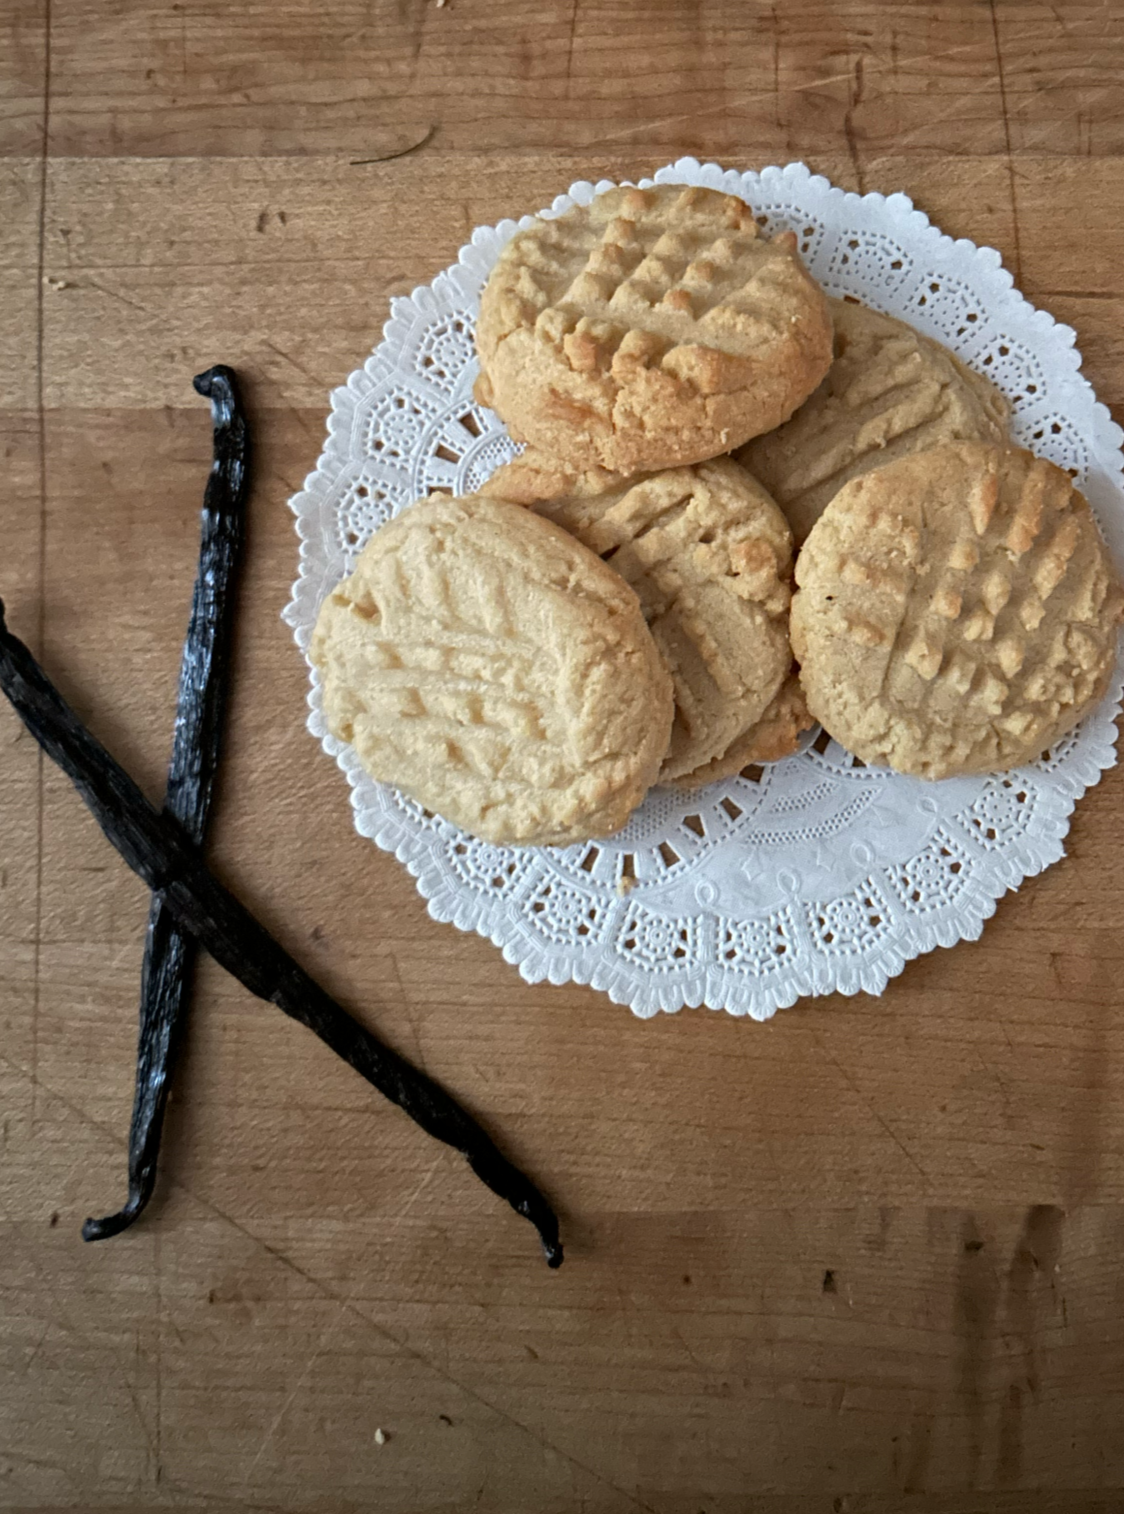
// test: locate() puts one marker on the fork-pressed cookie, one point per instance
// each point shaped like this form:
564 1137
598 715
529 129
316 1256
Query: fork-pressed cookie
957 611
651 328
889 392
483 661
709 555
775 734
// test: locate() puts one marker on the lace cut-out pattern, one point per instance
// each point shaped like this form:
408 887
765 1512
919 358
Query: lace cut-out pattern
808 876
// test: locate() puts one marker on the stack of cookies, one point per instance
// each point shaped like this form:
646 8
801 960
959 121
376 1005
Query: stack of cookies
615 609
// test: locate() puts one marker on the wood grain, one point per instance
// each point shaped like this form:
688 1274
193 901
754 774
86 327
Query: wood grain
863 1259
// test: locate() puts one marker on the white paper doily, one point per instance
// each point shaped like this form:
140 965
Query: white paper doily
811 875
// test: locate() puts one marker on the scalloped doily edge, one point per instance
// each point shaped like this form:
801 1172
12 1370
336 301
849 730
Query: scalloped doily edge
706 988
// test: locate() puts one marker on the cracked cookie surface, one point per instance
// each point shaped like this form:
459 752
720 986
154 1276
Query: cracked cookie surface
652 328
890 391
486 663
709 555
956 612
774 735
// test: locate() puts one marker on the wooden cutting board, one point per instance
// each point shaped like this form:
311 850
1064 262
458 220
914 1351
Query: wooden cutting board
864 1258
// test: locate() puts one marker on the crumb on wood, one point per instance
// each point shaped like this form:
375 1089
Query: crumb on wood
381 1437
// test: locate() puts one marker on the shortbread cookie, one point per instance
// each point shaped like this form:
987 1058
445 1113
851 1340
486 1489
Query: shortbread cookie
890 391
775 735
709 555
652 328
489 665
957 611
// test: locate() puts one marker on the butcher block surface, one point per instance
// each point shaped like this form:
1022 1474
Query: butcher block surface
863 1259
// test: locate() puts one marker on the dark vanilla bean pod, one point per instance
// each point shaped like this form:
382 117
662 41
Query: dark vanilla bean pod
168 952
156 849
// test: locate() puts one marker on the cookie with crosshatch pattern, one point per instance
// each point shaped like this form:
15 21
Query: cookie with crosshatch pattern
649 329
889 392
774 735
710 557
486 663
957 611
